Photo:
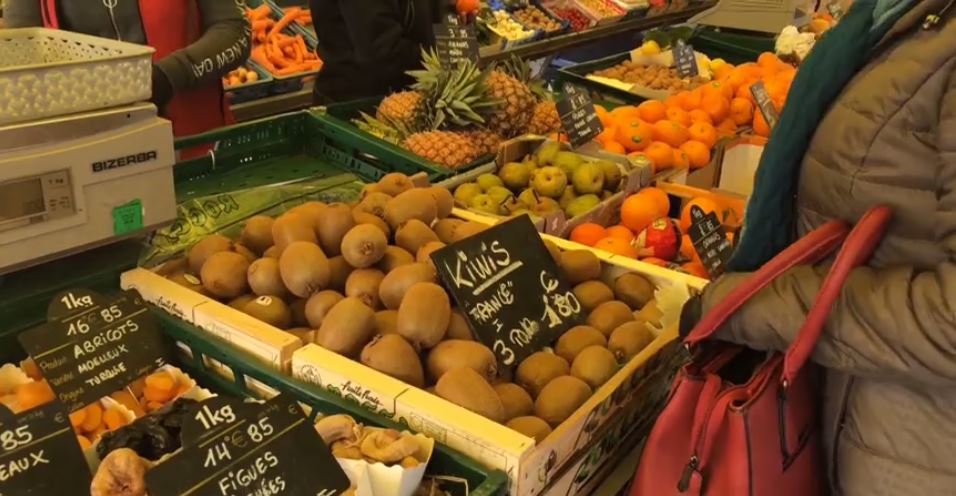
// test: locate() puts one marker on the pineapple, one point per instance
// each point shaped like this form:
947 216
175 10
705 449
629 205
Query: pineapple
545 119
401 107
517 104
485 141
450 149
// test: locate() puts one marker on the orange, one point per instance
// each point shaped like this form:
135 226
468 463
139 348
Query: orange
697 152
638 155
687 250
703 132
681 160
718 88
741 111
617 246
727 128
679 116
634 135
716 106
661 155
638 211
723 71
655 261
676 100
660 198
768 59
705 204
588 233
738 76
620 232
698 115
692 100
696 269
608 134
624 114
604 115
743 91
670 132
652 111
615 147
760 125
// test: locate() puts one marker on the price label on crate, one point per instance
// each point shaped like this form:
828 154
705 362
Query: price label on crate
39 454
455 41
578 117
247 449
511 291
709 240
684 59
92 346
765 103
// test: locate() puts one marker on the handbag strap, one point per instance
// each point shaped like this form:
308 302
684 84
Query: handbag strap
809 249
857 248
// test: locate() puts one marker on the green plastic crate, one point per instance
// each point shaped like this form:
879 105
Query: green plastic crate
445 461
345 141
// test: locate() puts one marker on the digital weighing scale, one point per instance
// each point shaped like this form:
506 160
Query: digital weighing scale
74 182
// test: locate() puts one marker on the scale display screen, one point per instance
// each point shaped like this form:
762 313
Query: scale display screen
21 199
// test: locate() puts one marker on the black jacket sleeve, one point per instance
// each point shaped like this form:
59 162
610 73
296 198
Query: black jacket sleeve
377 36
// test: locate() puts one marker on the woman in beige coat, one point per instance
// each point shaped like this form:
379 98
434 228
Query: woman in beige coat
889 346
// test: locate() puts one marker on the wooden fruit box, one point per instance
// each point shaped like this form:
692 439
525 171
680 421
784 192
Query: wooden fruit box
531 468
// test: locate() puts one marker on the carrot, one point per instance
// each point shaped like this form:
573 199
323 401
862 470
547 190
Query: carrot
287 19
259 12
299 49
285 41
262 24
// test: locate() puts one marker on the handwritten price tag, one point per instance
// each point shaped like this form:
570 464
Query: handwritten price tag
710 241
578 117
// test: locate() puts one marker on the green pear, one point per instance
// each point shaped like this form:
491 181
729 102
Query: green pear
484 203
545 206
465 193
582 205
530 161
568 162
515 175
550 182
528 198
499 194
588 179
612 174
567 197
548 152
486 181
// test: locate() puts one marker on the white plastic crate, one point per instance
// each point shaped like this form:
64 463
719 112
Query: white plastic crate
47 73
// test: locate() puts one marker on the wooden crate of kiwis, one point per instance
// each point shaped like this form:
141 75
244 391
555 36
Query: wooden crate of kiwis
344 296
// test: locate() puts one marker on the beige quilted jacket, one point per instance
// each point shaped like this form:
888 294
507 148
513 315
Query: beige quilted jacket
889 409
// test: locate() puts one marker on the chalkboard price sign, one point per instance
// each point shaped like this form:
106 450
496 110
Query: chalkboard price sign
39 454
513 295
91 347
710 241
765 104
578 117
685 60
455 41
247 449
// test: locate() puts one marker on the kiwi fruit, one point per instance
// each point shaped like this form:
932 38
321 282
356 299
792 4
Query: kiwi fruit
576 339
392 355
224 274
424 314
396 283
594 365
291 227
515 399
592 293
271 310
458 327
205 248
335 221
468 389
394 184
530 426
386 321
340 270
311 210
538 369
264 278
297 307
609 315
373 204
426 250
444 201
467 230
240 301
560 398
318 306
304 334
415 203
393 258
453 353
650 314
271 252
580 265
364 284
633 289
628 340
361 218
304 269
553 250
244 251
445 229
257 233
189 282
414 234
363 246
347 328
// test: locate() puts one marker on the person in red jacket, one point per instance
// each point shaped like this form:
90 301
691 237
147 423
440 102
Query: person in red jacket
196 41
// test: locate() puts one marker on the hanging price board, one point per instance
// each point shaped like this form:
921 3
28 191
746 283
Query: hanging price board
765 103
455 41
578 117
710 241
511 291
684 59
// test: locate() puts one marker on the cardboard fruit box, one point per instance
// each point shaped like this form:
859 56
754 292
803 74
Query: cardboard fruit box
531 467
636 173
